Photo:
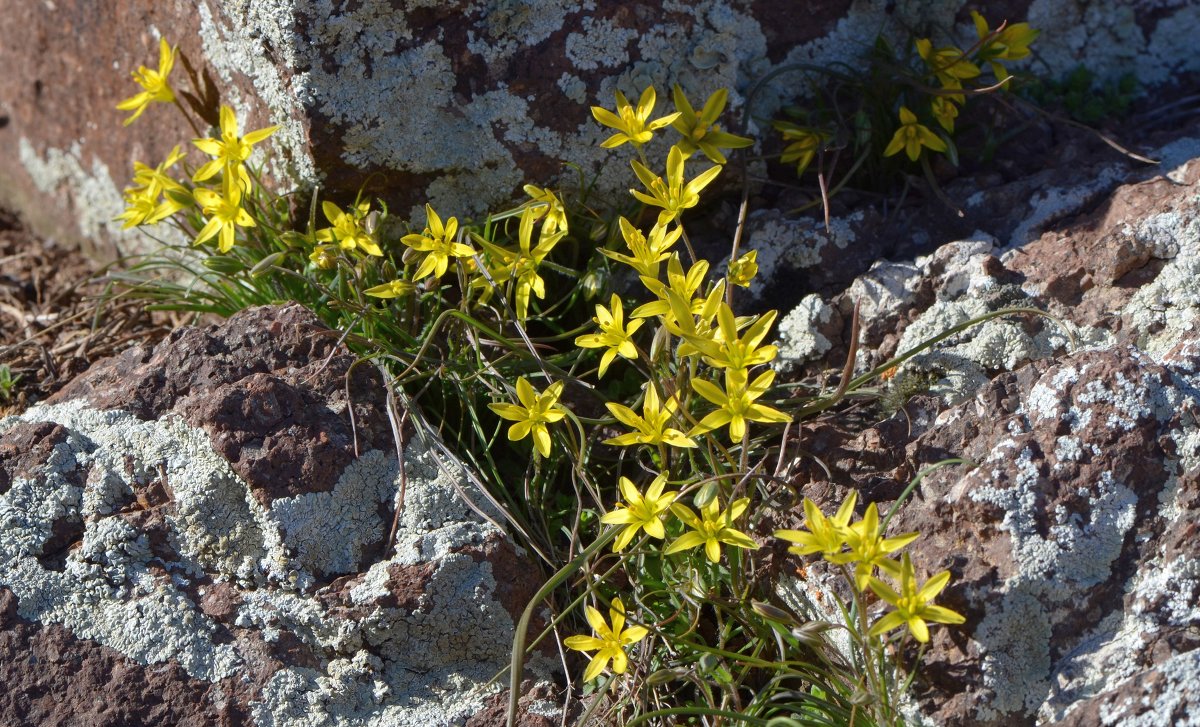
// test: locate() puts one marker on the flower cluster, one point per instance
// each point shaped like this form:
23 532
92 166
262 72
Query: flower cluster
953 67
695 340
862 545
156 196
924 93
688 392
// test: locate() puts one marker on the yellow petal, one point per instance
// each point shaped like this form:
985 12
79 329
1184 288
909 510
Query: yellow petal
229 124
256 136
541 439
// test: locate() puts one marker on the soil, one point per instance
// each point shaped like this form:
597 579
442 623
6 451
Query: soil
55 318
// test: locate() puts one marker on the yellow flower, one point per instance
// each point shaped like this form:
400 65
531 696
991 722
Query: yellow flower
640 512
437 242
651 427
743 270
225 215
155 87
673 195
609 643
648 252
737 403
911 136
230 151
805 144
683 284
695 322
521 265
545 204
712 528
913 607
348 231
143 204
944 111
949 64
148 177
726 351
701 132
534 413
614 335
869 549
1010 44
824 535
393 289
142 207
631 124
323 257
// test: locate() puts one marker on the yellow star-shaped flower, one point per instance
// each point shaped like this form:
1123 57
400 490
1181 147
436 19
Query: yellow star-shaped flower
348 230
1010 44
911 136
737 404
805 143
155 87
225 215
546 204
609 643
646 251
949 64
725 350
614 336
651 427
437 242
640 512
913 607
824 535
534 413
632 125
868 548
711 528
700 131
231 151
673 195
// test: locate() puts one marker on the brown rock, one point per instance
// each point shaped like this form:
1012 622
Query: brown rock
268 387
188 536
53 679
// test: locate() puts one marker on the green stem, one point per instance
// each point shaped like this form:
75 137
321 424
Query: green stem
517 667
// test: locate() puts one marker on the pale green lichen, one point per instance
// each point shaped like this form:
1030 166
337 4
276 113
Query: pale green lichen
65 174
106 590
599 44
799 336
425 664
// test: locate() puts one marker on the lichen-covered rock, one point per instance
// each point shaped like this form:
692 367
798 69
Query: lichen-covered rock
1071 543
196 519
1065 539
1072 540
1121 268
459 102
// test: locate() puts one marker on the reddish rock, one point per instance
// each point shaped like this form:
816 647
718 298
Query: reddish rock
53 679
198 523
268 386
535 708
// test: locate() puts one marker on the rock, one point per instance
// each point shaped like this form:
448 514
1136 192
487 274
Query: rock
202 521
1064 541
493 93
1072 544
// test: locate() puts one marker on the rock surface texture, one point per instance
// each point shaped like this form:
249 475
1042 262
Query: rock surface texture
499 90
195 535
1072 542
